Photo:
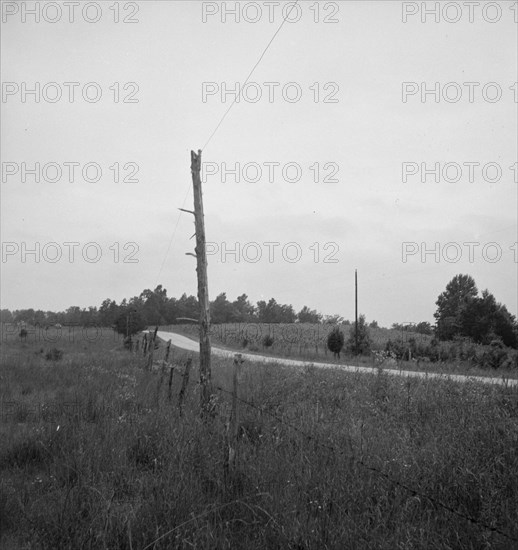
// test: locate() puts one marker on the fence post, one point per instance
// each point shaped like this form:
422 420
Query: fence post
152 350
185 381
171 369
233 425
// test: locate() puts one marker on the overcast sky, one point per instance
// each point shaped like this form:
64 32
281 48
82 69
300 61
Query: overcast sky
347 110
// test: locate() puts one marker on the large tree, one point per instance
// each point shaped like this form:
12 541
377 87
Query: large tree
461 312
451 305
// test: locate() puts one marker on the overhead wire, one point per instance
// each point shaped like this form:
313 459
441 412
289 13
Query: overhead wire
171 240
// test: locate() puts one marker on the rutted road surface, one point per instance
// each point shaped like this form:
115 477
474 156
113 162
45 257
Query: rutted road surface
191 345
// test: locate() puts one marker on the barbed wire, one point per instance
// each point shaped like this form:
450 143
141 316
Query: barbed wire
374 469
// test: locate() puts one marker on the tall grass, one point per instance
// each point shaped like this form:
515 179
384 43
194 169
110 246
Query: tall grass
122 469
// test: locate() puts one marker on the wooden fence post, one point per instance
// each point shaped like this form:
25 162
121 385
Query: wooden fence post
171 370
185 381
168 349
152 350
233 424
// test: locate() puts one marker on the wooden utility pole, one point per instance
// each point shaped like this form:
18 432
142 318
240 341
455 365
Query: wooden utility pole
356 310
203 290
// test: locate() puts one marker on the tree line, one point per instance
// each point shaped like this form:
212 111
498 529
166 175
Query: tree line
461 312
154 307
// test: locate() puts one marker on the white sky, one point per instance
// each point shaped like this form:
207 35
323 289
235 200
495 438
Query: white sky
369 212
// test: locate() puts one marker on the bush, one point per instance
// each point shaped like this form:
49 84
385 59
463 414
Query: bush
363 347
268 341
335 341
129 323
495 355
54 354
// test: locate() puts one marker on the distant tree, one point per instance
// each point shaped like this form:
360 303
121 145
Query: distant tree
373 324
404 327
306 315
24 316
221 310
108 313
187 306
6 316
243 309
129 322
333 319
424 328
272 312
364 342
154 305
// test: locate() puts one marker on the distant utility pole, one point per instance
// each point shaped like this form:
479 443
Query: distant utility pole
356 310
203 291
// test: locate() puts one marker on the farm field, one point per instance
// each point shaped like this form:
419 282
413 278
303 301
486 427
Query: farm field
96 454
308 342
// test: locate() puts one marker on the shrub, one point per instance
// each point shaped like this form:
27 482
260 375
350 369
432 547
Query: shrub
268 341
54 354
494 356
363 346
335 341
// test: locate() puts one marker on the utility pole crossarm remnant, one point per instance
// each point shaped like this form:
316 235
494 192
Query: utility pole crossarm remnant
203 292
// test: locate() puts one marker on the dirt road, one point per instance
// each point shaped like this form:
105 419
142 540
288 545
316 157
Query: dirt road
191 345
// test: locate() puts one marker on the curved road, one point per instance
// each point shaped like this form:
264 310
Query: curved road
185 343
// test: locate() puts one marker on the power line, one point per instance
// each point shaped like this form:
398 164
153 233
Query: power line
250 74
220 123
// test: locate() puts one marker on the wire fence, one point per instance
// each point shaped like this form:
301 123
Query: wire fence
348 453
377 471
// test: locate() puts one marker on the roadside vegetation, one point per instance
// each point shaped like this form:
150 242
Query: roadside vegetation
94 454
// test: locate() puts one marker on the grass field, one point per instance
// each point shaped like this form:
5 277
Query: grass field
95 455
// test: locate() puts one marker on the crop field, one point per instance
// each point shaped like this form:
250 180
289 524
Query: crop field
308 342
304 339
96 453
